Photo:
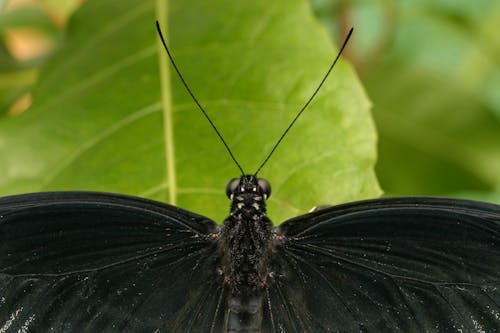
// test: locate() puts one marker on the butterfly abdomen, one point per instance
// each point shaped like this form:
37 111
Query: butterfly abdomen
245 314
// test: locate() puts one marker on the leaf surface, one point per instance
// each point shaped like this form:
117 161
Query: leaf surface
98 116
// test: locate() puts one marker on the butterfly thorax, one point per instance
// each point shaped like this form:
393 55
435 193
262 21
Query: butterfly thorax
246 239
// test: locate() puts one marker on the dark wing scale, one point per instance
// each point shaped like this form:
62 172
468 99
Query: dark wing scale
301 293
93 262
389 265
285 308
194 316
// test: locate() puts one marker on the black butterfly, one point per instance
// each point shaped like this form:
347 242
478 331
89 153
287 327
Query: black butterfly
95 262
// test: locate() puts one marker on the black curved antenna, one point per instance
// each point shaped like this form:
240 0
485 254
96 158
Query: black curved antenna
195 100
306 104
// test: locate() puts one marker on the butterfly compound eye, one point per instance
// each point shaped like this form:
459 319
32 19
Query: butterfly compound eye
265 187
231 186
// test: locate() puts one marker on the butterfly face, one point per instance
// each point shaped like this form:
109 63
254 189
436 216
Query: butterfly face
248 195
248 184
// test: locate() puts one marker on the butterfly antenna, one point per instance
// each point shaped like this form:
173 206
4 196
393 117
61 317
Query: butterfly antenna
195 100
307 103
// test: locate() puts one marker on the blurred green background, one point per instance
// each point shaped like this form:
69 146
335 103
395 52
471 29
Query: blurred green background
430 68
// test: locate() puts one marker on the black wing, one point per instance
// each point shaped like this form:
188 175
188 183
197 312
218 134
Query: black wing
390 265
94 262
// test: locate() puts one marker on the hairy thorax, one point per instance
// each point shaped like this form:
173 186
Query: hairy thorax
246 236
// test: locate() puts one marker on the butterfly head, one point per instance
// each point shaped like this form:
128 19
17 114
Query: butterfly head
248 186
248 195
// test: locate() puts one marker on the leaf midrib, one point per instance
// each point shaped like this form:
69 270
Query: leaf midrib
167 107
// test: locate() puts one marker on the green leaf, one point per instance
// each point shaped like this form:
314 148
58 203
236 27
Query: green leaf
431 68
98 115
438 121
16 76
27 17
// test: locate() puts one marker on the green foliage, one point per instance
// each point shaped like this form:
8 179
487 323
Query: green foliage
98 116
15 77
432 71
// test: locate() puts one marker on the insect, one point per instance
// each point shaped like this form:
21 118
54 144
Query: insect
96 262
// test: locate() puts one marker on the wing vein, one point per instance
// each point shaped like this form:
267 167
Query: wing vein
318 250
114 264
